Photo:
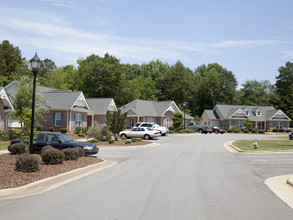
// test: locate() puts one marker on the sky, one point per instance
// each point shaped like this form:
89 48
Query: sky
251 38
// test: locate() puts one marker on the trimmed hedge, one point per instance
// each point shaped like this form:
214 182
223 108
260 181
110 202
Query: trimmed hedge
27 163
111 141
80 151
18 148
128 142
47 147
52 156
63 130
70 154
94 140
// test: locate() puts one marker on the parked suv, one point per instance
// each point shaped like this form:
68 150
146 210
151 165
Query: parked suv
163 130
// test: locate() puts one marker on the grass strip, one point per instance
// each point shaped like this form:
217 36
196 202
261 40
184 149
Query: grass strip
264 145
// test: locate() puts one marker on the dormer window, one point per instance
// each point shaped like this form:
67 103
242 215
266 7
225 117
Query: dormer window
258 112
247 112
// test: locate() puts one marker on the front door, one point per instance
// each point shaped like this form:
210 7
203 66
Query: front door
132 122
259 125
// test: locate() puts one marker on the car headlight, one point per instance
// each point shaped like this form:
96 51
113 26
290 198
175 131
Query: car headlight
88 147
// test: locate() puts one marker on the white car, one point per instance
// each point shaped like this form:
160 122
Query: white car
146 133
163 130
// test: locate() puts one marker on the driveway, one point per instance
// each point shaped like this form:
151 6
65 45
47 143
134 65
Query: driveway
185 177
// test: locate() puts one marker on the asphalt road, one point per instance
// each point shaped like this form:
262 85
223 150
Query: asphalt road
185 177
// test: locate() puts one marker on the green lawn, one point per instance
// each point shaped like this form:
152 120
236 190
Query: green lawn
264 145
4 145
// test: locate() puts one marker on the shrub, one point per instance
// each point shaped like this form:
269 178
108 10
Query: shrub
236 129
111 141
281 130
123 138
39 128
229 131
99 131
94 140
186 131
70 154
27 163
81 135
51 129
47 147
270 130
18 148
52 156
288 131
4 136
275 130
261 131
138 139
245 131
11 134
77 130
133 140
128 142
84 129
80 151
63 130
254 131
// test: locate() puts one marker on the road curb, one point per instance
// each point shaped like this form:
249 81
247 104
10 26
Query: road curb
54 181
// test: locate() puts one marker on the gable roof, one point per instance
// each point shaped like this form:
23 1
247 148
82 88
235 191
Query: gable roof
225 112
149 108
100 106
6 100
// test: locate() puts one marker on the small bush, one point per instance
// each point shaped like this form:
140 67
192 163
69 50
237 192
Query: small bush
84 129
63 130
81 135
138 139
77 130
275 130
39 128
27 163
18 148
254 131
288 131
94 140
236 131
12 134
270 130
47 147
229 131
99 131
80 151
51 129
261 131
52 156
123 138
133 139
128 142
111 141
281 130
70 154
245 131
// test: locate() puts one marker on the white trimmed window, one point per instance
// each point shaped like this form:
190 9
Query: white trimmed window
150 120
78 122
168 122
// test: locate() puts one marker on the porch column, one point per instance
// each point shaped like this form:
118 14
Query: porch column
93 116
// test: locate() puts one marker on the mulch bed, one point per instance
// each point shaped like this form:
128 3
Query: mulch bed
9 178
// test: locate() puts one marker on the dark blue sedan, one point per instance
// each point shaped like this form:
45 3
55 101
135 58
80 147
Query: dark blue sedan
59 141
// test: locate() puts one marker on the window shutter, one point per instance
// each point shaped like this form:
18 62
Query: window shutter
82 120
53 121
62 119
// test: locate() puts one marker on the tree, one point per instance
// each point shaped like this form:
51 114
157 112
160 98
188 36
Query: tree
45 72
284 88
10 62
102 77
247 124
116 121
255 93
177 121
22 102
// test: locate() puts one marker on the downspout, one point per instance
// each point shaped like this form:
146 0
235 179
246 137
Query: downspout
70 121
67 120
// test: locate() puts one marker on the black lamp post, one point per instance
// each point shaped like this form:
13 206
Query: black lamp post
184 105
35 64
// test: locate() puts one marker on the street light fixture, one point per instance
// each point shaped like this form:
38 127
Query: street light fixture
35 65
184 105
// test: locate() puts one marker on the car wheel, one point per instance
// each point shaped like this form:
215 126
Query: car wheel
123 135
146 137
200 131
216 132
164 134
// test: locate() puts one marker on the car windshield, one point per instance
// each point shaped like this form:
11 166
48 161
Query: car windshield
64 137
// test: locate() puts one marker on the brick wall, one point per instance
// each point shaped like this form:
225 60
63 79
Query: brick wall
2 115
